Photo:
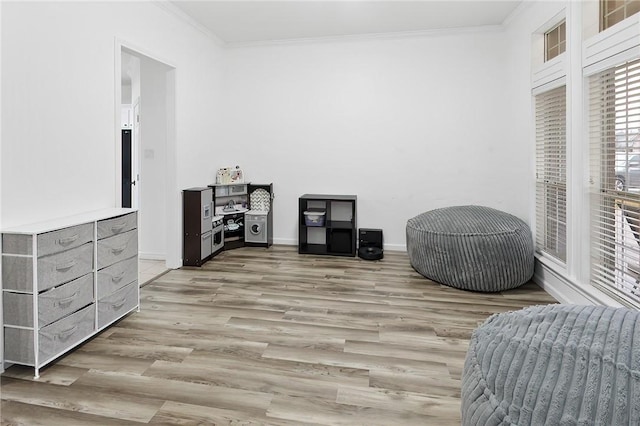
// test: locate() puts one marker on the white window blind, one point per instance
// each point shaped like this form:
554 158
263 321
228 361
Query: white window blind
551 176
614 128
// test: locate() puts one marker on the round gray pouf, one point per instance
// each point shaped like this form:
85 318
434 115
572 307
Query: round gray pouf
554 365
471 247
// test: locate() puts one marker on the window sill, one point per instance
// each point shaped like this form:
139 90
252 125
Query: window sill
553 278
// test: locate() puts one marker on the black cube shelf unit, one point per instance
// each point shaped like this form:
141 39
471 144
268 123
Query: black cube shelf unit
337 235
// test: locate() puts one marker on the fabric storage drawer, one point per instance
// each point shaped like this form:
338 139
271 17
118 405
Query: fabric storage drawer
64 239
116 305
52 339
52 304
17 273
48 242
16 244
117 225
65 266
117 276
117 248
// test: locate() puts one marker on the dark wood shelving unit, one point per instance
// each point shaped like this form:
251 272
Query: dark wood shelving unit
197 210
337 236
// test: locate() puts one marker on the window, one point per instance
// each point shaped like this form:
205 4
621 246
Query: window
612 12
614 123
555 41
551 178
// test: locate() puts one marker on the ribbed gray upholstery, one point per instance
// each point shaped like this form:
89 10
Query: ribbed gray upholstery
471 247
554 365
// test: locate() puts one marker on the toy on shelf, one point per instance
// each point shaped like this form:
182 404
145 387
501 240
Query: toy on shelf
229 175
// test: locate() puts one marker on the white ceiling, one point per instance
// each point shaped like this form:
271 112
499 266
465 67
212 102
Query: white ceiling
245 21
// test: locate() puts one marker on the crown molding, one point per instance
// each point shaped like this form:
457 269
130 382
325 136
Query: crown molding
520 9
174 10
370 36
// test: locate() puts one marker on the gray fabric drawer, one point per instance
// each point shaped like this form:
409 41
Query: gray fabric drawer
64 239
17 273
65 266
117 276
16 244
52 304
116 305
52 339
117 248
117 225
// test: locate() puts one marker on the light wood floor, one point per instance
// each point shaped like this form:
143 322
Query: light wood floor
262 336
150 269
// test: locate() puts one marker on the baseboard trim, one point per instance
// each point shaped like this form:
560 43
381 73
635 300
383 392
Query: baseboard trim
567 291
285 241
395 247
151 256
290 242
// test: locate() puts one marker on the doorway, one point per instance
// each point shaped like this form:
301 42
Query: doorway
129 125
146 142
127 166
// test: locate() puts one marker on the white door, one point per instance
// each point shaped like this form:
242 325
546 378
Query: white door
135 155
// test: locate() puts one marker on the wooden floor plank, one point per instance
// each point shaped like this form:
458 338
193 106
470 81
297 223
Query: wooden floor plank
268 336
319 372
104 402
257 381
174 413
425 382
105 362
178 391
405 351
333 413
15 413
55 374
124 349
400 401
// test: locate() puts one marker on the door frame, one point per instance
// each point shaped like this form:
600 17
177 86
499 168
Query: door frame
173 195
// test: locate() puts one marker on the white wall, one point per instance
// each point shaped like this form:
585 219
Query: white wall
407 124
59 136
1 105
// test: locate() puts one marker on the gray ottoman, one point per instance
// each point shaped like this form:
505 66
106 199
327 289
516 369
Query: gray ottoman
554 365
471 247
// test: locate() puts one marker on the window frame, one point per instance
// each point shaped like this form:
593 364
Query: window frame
560 44
626 13
614 132
550 105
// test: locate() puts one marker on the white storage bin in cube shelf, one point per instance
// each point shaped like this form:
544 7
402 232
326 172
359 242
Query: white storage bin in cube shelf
314 218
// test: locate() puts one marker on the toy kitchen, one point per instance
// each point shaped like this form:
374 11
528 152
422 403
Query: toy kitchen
241 214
